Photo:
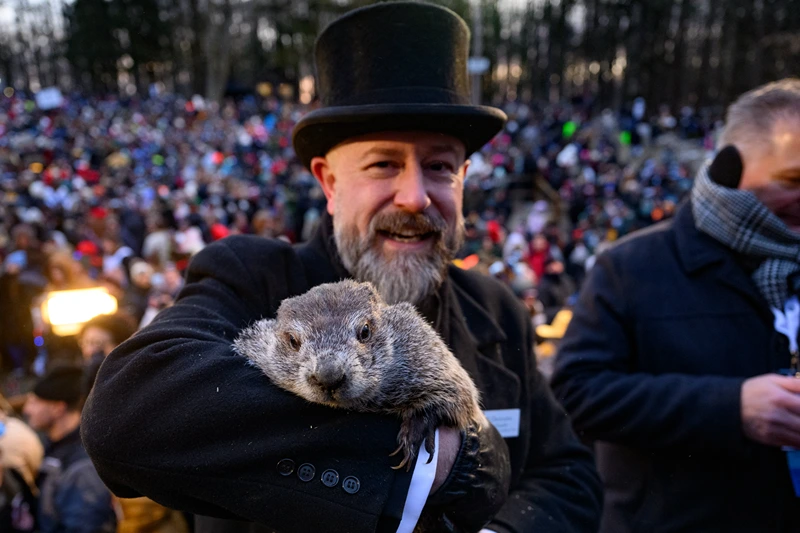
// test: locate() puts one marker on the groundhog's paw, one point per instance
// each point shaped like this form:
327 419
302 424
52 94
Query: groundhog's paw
405 446
430 443
413 431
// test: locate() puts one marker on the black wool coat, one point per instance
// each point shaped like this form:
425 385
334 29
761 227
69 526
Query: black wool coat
668 327
175 415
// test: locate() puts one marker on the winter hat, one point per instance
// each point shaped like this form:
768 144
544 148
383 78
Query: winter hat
61 384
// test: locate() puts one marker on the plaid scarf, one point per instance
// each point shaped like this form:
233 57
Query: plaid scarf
739 221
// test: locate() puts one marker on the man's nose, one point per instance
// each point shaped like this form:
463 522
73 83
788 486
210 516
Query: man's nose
410 192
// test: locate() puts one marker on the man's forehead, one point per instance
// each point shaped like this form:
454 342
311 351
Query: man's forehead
786 132
401 142
783 147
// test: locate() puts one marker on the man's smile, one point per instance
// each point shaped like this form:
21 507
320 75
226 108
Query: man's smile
407 236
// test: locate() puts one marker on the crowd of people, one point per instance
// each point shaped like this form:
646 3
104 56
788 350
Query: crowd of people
47 481
121 193
681 354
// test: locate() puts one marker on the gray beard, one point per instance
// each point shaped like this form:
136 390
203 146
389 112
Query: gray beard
401 277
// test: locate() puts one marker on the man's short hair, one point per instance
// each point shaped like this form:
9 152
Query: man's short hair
752 116
119 325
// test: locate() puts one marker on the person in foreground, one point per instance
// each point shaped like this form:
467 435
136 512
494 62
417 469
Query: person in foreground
672 361
177 416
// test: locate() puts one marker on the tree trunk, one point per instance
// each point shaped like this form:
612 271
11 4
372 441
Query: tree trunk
563 43
198 22
547 42
219 54
632 83
704 81
728 52
679 62
757 59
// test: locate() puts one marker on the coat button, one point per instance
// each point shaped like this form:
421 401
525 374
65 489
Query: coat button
306 472
330 478
351 484
285 467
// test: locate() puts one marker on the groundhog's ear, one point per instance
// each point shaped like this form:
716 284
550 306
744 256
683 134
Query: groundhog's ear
372 293
261 330
255 338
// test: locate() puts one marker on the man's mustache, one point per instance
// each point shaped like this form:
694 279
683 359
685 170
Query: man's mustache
419 223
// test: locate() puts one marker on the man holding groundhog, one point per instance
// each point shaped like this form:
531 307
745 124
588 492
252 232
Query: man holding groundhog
178 417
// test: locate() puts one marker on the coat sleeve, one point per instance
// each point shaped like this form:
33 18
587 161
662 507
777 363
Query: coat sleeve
609 399
83 503
176 416
560 490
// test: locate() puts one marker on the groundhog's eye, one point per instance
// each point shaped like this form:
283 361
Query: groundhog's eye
364 333
293 342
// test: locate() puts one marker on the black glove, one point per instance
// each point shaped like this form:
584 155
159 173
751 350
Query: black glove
476 488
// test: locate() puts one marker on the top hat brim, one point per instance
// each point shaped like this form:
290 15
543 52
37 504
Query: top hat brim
319 131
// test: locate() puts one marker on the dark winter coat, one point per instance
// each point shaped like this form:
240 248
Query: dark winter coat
668 327
72 498
175 415
17 503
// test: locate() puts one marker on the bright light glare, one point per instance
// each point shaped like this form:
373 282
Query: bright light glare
68 311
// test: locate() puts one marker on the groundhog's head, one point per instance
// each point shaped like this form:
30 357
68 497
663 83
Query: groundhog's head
326 345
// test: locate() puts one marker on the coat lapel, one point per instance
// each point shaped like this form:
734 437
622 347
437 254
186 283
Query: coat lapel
701 255
476 341
458 335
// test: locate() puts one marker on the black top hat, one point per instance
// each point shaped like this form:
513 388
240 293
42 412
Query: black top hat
389 67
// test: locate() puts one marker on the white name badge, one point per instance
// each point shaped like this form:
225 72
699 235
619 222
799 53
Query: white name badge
505 420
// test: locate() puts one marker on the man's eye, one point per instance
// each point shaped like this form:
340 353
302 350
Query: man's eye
441 166
382 164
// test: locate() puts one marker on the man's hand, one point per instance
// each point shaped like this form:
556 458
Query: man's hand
771 410
449 445
473 473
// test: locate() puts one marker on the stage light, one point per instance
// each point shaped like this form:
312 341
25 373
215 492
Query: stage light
68 311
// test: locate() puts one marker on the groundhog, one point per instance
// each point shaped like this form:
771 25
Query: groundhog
341 345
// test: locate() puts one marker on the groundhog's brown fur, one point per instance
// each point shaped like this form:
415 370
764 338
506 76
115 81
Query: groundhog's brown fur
340 345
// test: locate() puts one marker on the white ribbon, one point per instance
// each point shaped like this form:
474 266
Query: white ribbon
788 321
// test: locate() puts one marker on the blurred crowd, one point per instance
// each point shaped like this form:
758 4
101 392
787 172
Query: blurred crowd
599 176
119 194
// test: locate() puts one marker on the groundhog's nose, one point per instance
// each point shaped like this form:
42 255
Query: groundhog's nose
329 380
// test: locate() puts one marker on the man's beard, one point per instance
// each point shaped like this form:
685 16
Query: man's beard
399 276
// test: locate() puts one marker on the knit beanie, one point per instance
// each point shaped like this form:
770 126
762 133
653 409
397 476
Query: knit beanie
61 384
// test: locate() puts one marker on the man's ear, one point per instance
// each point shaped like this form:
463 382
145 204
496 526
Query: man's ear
321 170
464 168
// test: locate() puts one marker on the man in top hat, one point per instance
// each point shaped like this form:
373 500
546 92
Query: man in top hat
176 416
